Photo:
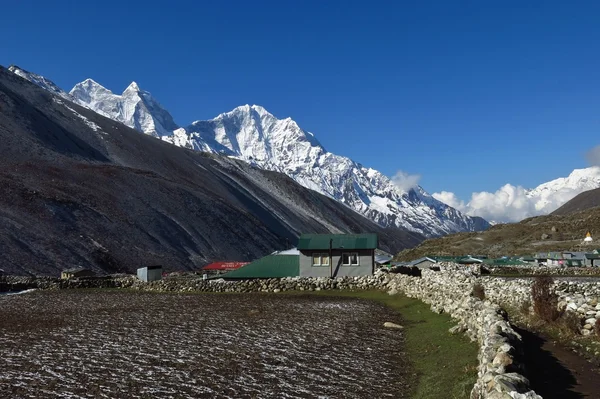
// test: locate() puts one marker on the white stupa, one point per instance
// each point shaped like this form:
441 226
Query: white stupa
588 238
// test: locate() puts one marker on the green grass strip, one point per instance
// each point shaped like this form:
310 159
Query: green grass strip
445 364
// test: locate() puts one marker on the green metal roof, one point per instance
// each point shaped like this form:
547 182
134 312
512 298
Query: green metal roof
338 241
504 262
271 266
574 262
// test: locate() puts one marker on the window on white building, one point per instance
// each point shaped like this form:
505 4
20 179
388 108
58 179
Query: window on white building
350 258
320 259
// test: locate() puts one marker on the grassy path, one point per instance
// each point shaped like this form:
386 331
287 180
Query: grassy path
445 364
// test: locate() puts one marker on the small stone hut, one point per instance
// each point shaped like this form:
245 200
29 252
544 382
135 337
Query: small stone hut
150 273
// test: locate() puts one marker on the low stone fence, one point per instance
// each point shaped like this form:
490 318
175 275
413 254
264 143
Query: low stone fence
500 374
535 270
19 283
580 296
192 283
262 285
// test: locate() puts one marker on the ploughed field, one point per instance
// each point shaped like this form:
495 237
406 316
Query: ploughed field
107 344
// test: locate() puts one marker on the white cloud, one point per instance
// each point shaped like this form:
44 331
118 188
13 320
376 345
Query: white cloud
451 199
509 203
593 156
405 181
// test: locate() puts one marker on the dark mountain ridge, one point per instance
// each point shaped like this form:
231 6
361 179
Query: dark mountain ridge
585 200
79 189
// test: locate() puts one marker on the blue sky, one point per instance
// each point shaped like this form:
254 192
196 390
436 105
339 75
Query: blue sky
468 94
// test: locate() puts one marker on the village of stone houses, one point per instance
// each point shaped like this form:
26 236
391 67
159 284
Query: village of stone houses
315 320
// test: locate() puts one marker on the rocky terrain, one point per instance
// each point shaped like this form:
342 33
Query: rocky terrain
108 344
252 134
553 232
79 189
586 200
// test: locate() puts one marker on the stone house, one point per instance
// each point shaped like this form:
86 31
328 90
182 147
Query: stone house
337 255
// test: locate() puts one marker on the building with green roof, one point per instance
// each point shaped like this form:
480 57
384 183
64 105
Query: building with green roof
271 266
317 255
337 255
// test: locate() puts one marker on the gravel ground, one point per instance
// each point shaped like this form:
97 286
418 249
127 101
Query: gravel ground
107 344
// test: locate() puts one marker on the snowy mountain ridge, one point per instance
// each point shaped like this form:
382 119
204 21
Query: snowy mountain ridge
135 108
559 191
40 81
254 135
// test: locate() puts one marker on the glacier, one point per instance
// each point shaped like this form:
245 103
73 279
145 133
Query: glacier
254 135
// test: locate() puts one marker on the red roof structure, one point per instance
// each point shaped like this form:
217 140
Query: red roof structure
224 265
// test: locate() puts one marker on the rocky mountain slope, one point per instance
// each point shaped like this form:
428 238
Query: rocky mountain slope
586 200
79 189
252 134
537 234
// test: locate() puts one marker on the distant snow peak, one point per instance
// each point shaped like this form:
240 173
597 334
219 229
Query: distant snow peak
514 203
134 107
133 86
91 83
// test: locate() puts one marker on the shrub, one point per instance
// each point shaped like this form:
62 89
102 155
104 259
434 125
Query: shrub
569 321
525 307
545 301
478 291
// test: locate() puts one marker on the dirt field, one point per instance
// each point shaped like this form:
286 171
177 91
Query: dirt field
107 344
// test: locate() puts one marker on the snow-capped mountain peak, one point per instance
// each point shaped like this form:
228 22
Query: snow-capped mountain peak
253 134
135 107
133 87
257 136
558 191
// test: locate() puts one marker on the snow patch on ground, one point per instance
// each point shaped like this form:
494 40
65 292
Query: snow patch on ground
88 122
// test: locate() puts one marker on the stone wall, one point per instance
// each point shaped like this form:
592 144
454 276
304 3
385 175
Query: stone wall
500 374
535 270
191 283
578 295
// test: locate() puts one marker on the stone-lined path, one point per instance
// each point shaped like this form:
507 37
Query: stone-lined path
556 372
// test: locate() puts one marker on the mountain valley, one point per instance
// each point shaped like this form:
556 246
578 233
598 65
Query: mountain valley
81 189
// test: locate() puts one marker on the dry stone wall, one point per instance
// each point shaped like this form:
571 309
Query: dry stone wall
193 283
580 296
500 373
535 270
